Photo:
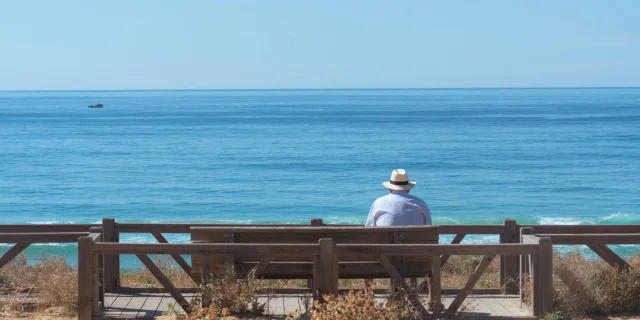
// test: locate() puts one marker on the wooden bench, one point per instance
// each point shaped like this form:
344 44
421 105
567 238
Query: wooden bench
366 265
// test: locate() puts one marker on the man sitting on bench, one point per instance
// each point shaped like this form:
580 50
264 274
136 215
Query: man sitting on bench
398 208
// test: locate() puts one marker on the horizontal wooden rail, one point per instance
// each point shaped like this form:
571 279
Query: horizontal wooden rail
41 237
593 239
470 229
435 249
210 248
581 229
308 229
181 227
34 228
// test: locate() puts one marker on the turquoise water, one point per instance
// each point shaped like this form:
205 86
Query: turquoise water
554 156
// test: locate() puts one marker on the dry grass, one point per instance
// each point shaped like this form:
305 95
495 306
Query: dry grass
357 305
49 286
585 288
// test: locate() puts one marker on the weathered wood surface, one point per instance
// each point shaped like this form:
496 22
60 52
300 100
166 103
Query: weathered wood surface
85 278
282 266
111 263
620 238
212 248
439 249
609 256
582 229
545 280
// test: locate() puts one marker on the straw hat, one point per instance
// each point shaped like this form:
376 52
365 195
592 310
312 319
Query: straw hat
399 181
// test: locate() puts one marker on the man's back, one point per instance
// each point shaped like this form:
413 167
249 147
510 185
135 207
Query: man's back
399 208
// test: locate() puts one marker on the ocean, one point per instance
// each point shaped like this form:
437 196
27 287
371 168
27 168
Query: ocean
551 156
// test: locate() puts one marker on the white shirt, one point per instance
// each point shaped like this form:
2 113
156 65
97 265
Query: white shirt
398 209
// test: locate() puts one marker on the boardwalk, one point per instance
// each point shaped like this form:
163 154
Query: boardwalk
149 306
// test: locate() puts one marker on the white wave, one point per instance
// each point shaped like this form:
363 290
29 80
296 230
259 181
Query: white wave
447 220
562 221
342 220
52 222
54 244
615 215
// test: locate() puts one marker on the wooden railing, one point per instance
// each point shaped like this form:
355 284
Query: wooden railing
507 233
326 257
22 240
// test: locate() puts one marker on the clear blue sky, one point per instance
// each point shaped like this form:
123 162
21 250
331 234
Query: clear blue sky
317 44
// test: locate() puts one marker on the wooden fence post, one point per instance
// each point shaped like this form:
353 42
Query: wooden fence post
509 264
85 278
524 270
111 263
316 222
545 276
327 279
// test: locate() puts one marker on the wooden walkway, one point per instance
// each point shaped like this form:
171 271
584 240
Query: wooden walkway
152 305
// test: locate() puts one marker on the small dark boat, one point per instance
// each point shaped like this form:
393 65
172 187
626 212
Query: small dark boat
99 105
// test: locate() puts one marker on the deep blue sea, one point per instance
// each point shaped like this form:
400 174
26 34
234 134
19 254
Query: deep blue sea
553 156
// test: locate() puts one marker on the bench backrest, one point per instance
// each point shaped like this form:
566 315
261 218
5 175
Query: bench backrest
298 267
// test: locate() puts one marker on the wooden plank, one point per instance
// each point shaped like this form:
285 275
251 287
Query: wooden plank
471 229
157 273
134 306
95 294
534 269
12 253
458 238
509 264
130 290
163 306
459 299
41 237
397 277
183 227
111 262
545 266
437 249
609 256
326 270
285 237
582 229
211 248
625 238
435 287
181 262
312 229
118 305
264 262
150 306
85 281
530 239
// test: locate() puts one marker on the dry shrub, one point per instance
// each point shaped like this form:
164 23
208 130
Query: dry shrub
228 292
50 283
362 305
587 287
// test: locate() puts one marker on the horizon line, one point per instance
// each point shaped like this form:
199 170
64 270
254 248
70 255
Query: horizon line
321 89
